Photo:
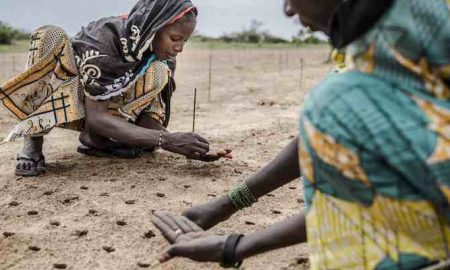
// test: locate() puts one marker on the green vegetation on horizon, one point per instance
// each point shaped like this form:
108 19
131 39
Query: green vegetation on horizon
9 34
217 44
13 40
15 47
22 45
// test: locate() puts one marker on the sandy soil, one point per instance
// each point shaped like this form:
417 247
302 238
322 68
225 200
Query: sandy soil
84 204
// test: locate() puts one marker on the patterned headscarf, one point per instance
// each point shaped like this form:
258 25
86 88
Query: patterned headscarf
113 52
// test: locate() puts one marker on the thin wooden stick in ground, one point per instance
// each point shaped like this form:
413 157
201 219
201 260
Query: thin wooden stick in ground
301 73
210 77
195 106
14 63
287 59
280 63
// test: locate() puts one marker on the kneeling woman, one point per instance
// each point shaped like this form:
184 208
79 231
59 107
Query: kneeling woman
113 82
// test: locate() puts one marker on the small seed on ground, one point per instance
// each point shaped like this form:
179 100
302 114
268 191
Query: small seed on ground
81 233
48 193
32 213
143 265
8 234
14 203
249 223
130 202
187 186
161 195
34 248
54 223
149 234
292 188
70 199
92 211
60 265
302 260
108 249
121 223
104 194
276 212
84 188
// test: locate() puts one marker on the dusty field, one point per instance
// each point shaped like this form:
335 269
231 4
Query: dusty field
78 203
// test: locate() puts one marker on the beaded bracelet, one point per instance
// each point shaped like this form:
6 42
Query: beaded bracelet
160 139
241 196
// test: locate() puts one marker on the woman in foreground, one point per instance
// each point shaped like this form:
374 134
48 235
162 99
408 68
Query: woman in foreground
373 149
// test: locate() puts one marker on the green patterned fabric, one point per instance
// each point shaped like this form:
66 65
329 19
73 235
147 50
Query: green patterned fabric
375 147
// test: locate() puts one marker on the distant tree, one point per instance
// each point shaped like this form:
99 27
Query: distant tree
252 34
8 34
306 36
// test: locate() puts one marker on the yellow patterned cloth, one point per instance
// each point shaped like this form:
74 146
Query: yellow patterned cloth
375 147
49 94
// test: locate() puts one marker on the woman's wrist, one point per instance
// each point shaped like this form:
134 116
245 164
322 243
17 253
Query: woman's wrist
229 259
164 140
243 249
227 205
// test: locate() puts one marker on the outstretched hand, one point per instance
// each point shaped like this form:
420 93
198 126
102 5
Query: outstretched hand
187 239
216 155
192 146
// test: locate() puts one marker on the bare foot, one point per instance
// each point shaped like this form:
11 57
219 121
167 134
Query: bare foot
31 161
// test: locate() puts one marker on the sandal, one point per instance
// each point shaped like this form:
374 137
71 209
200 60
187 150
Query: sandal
33 168
128 153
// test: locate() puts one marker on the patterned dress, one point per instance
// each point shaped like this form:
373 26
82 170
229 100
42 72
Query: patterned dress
110 59
375 147
49 93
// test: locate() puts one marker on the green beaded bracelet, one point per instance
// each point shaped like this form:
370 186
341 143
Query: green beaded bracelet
241 196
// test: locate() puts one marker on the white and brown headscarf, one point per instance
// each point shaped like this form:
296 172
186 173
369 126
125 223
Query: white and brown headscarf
112 52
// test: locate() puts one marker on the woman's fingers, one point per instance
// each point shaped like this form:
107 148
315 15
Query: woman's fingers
183 224
167 231
172 226
198 153
167 217
224 153
192 225
201 247
202 145
165 257
177 250
200 138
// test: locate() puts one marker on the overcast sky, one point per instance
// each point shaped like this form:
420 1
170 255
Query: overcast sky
216 16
